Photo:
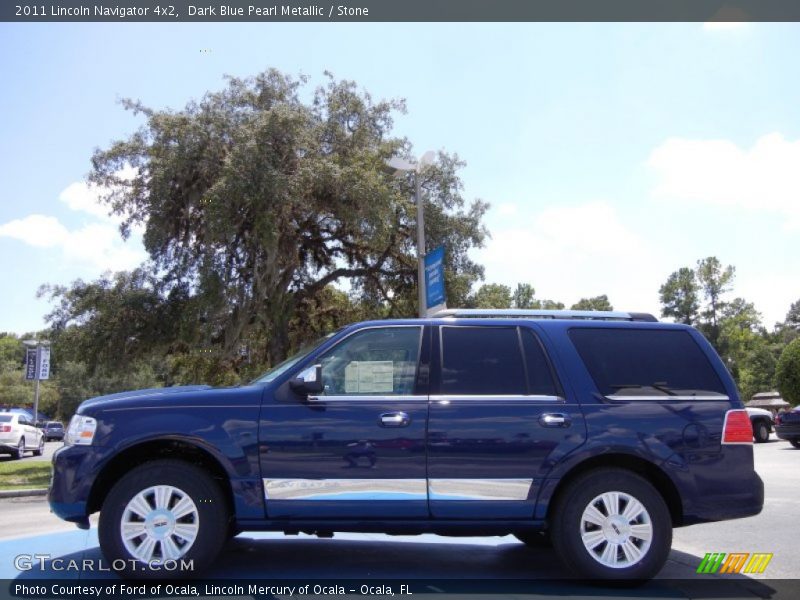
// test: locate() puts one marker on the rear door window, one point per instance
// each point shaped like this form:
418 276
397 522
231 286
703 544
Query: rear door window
540 374
628 364
482 361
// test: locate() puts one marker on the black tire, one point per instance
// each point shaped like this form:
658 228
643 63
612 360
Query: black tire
795 442
210 518
583 493
761 431
535 539
20 451
40 449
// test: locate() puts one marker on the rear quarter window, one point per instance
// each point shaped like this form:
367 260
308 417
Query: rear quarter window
646 363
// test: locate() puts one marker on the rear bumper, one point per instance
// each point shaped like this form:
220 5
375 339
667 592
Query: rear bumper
731 505
9 442
788 431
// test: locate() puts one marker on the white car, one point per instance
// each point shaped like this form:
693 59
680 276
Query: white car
762 422
18 435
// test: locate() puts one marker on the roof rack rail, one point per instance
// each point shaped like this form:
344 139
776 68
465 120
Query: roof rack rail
516 313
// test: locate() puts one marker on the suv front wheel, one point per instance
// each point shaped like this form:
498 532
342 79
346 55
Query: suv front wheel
612 524
161 515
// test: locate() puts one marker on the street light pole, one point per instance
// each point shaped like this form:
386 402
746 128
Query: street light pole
421 289
398 165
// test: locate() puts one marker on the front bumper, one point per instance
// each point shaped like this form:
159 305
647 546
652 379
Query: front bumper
74 472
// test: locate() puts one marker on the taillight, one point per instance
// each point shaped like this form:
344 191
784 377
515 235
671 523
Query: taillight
737 428
5 428
777 419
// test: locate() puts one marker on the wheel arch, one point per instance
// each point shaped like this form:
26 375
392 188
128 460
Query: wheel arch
649 471
156 449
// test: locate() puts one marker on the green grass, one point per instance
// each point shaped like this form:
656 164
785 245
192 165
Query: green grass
22 474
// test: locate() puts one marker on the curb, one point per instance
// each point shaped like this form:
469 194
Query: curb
22 493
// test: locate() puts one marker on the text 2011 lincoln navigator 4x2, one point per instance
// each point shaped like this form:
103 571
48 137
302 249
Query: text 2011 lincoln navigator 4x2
597 432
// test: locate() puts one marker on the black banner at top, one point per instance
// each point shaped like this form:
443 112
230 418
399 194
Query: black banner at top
397 10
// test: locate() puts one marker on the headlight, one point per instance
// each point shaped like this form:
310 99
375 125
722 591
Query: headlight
80 431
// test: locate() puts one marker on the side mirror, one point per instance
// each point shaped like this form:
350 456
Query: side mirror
308 381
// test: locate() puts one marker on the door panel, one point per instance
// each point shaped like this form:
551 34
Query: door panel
358 449
488 452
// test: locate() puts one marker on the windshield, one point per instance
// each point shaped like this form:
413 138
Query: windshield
287 364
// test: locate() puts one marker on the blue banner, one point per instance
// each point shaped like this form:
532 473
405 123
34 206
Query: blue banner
30 363
434 278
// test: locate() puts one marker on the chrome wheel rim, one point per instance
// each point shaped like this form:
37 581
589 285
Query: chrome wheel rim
616 530
159 523
21 448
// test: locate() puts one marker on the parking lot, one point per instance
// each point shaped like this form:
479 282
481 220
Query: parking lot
26 526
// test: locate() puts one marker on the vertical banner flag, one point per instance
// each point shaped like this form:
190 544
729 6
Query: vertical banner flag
43 363
434 280
30 363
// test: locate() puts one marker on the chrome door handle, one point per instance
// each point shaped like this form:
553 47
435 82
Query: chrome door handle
395 419
555 420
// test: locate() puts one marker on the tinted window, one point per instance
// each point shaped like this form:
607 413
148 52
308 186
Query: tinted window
482 361
645 362
540 374
373 362
5 418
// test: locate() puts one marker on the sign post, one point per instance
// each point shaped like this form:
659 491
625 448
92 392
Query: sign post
435 299
37 367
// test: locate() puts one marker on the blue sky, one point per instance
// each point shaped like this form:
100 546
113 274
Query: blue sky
612 154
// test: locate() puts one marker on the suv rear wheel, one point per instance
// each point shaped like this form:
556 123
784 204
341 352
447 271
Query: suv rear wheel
160 513
612 524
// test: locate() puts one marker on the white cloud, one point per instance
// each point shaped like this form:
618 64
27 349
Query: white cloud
84 197
39 231
507 209
96 245
763 178
570 252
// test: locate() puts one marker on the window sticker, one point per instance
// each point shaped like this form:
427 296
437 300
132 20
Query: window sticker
369 377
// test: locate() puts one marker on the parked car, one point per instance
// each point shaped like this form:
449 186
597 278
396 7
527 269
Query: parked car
603 430
762 422
18 435
787 426
53 430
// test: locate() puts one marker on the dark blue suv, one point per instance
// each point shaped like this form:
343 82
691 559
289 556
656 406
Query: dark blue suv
596 432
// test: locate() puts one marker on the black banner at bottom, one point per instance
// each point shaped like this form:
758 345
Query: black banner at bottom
409 589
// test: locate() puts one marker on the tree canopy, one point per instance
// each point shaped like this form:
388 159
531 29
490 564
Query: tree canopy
254 201
787 374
